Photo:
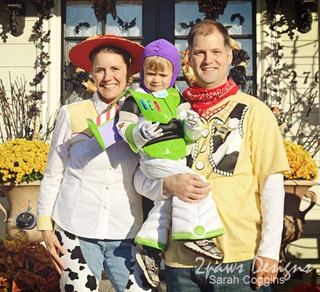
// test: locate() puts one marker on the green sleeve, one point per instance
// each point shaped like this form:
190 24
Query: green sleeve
129 137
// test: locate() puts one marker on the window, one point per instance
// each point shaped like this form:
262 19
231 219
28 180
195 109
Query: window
146 20
239 24
81 22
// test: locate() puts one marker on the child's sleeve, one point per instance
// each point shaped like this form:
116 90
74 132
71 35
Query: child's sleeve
128 118
192 132
191 124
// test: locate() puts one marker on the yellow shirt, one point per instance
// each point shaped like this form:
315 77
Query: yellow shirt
240 145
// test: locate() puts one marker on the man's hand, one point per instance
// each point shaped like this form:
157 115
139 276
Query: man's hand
53 246
187 187
264 272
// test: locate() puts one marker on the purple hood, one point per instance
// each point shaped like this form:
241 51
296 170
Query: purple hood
164 49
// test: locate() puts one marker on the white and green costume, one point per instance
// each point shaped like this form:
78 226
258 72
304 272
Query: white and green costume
164 156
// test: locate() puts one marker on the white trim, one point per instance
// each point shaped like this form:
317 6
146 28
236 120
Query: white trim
53 92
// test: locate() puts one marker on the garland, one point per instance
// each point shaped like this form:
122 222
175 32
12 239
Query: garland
39 37
238 72
212 8
43 8
103 7
273 7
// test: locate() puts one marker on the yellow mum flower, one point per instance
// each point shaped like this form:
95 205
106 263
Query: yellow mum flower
22 160
302 165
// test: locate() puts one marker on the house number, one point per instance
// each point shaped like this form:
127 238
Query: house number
306 74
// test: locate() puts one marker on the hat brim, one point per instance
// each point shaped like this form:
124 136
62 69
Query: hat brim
79 54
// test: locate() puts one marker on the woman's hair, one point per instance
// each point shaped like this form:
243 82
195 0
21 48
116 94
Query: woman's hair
106 49
156 63
206 27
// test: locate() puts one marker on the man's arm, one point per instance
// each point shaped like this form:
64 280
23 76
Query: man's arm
187 187
272 205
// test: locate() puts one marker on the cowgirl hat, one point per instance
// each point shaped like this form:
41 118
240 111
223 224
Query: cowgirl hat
79 54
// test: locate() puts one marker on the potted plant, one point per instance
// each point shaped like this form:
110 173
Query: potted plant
298 184
302 176
22 163
26 266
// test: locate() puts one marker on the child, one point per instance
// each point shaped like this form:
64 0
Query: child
156 122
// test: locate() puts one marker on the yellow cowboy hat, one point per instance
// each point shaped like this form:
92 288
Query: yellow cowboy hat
79 54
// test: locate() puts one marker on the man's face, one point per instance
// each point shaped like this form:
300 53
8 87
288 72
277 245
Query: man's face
210 60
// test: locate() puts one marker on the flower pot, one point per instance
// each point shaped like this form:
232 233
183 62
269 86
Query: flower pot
297 187
22 213
294 219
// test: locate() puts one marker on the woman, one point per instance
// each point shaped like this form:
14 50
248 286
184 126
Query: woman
88 210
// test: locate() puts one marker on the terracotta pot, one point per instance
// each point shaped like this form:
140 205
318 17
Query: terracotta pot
22 213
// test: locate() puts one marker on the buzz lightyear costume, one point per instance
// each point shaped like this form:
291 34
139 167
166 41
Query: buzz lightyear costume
164 154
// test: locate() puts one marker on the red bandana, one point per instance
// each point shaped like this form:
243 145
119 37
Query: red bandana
201 99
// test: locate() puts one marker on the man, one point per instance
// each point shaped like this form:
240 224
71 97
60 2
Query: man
241 154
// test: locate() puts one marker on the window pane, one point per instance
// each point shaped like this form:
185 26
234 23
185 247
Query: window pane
239 22
81 20
181 45
186 15
128 21
246 45
69 45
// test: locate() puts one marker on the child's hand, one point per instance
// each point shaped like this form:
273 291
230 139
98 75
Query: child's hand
150 130
144 132
192 118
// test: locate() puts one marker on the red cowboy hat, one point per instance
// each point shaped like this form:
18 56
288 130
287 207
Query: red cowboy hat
79 54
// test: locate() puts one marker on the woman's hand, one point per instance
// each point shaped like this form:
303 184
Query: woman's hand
187 187
53 246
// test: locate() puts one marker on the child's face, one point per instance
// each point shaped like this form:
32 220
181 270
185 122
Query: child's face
156 80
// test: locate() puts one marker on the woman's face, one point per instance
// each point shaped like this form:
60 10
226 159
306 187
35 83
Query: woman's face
110 75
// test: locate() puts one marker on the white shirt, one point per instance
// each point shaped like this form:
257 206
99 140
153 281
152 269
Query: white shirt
87 191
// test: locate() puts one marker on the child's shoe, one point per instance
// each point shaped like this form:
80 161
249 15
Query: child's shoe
149 268
205 247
